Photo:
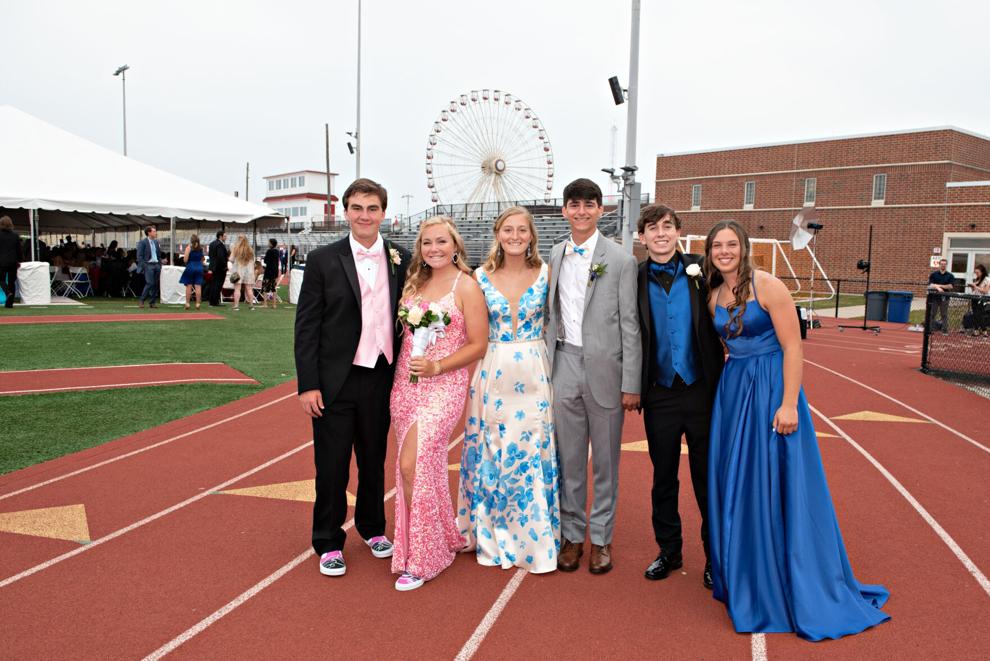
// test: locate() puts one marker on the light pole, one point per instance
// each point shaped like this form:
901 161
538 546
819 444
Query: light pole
407 197
631 189
122 72
357 130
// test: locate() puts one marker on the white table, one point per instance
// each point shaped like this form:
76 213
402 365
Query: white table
295 284
34 285
172 291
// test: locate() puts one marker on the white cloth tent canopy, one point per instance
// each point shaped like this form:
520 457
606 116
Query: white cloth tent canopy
68 183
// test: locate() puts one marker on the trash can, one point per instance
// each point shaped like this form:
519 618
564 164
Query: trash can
876 306
899 306
802 321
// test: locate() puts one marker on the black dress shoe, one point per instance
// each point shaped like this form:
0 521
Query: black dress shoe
707 579
663 565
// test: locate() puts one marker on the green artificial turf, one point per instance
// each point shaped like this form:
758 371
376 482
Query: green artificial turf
35 428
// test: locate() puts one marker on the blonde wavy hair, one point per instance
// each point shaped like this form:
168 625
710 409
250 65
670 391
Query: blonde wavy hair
419 271
242 253
737 308
496 256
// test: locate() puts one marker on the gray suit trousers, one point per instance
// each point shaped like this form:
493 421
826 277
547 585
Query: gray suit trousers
577 416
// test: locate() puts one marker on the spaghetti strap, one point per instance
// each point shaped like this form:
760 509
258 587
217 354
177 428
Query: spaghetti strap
752 284
454 286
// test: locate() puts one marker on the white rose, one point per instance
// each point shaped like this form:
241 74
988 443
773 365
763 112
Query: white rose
415 316
693 270
436 309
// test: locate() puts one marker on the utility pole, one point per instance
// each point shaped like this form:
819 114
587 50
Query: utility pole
329 195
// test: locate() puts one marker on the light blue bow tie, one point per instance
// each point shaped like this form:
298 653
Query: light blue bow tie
570 248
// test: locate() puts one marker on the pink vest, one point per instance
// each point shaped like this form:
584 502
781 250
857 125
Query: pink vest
376 319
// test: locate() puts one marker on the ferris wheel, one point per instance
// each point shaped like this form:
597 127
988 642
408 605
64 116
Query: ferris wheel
488 146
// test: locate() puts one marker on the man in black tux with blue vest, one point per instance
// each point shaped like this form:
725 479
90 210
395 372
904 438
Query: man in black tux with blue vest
682 362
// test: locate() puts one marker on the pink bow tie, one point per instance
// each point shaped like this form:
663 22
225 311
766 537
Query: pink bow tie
368 254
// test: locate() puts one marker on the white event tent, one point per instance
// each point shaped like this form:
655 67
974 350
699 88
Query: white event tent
52 180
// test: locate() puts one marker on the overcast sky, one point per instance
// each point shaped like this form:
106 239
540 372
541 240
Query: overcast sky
213 85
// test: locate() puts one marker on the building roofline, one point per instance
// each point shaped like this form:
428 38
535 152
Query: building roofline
966 184
286 174
930 129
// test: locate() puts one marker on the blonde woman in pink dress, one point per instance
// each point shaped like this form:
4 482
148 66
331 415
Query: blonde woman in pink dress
426 413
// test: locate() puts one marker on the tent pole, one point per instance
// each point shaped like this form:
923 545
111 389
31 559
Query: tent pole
255 237
34 235
171 240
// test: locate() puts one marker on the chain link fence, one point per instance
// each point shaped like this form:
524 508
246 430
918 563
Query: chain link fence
957 339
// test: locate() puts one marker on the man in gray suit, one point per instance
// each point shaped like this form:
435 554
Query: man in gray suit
595 351
149 264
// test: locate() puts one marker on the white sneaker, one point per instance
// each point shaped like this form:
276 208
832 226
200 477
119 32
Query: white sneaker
380 546
408 582
332 564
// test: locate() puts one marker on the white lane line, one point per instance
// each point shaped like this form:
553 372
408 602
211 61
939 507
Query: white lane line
242 598
145 449
758 646
880 350
929 519
154 517
100 367
135 384
907 406
471 646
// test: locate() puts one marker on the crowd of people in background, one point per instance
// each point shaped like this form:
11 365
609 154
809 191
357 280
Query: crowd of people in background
117 272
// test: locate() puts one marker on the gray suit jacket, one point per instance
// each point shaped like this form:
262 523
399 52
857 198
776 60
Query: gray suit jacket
613 350
144 253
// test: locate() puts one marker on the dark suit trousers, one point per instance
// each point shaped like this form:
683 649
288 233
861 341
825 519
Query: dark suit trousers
359 418
668 413
216 285
8 276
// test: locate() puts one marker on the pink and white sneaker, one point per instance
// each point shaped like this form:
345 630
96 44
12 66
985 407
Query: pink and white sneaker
408 582
332 564
380 546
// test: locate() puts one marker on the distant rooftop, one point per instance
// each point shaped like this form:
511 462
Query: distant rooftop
828 139
293 172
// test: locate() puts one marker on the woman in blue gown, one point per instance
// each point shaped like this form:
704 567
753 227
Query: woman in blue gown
778 560
192 276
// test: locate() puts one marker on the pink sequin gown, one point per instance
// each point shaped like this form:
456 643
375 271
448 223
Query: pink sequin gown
427 538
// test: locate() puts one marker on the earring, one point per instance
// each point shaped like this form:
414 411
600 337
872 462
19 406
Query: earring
424 265
455 257
529 250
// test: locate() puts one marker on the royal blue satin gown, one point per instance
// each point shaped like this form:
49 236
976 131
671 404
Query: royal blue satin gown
778 560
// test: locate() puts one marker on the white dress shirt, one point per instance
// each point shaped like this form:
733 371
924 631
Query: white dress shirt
367 268
572 288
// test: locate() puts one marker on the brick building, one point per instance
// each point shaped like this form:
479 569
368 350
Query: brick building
926 193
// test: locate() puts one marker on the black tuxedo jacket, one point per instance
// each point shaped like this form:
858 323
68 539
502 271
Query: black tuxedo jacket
218 256
328 316
711 353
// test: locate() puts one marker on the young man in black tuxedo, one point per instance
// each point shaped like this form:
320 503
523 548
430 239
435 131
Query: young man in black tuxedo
682 361
346 346
218 266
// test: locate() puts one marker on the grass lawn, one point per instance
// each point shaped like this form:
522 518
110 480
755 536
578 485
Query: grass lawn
44 426
844 301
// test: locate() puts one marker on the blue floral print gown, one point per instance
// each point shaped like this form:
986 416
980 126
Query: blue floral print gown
508 505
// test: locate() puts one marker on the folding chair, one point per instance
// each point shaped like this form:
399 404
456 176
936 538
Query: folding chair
78 285
59 282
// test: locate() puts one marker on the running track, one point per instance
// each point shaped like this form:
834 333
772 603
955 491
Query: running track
175 569
109 318
23 382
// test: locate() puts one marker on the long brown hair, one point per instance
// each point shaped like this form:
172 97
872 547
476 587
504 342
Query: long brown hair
242 252
194 242
419 271
737 308
496 256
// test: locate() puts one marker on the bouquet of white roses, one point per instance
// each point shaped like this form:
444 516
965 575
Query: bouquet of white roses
427 322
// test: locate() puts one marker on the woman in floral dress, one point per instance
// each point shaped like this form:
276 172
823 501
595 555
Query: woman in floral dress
425 413
508 501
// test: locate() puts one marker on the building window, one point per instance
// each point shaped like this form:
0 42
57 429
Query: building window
749 195
302 180
879 188
271 185
810 191
695 197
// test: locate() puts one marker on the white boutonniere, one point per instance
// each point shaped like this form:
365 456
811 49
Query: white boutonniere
395 258
596 271
693 271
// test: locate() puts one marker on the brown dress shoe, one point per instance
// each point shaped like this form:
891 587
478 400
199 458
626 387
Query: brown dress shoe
601 559
570 556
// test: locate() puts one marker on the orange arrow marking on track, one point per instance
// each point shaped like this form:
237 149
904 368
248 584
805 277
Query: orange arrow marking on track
303 490
67 522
